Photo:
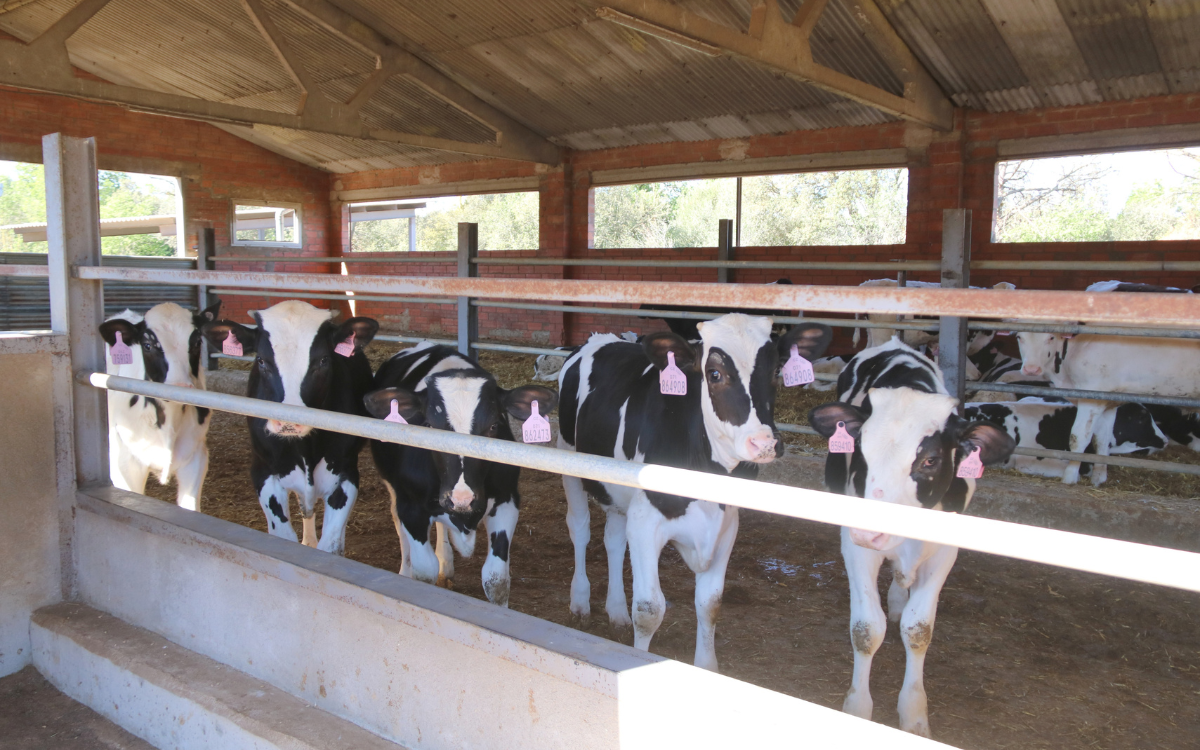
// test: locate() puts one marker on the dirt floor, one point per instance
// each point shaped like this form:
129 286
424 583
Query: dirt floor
35 716
1025 656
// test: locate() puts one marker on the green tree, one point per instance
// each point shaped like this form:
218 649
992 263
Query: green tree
23 201
507 221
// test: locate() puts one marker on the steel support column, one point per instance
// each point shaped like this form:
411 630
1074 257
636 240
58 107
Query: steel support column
724 248
468 314
956 274
77 305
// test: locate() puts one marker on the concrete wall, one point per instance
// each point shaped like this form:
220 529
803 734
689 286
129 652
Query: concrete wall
419 665
29 496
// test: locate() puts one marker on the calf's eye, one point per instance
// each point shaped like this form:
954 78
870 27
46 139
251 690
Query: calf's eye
929 463
714 376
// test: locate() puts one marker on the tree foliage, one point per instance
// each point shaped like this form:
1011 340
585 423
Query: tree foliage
863 207
507 221
23 201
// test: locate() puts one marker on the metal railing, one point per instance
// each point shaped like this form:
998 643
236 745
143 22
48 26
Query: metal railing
1129 560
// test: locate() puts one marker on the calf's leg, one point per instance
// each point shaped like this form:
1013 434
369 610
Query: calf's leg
867 622
126 470
710 586
338 505
1086 413
615 604
273 498
916 629
445 556
646 540
190 479
501 525
579 519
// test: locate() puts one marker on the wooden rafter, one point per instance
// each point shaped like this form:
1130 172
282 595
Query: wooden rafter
784 46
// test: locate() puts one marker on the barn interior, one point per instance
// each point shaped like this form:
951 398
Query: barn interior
331 109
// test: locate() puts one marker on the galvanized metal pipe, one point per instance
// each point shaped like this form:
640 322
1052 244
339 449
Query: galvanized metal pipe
1152 309
901 265
689 315
326 259
1133 463
341 297
1137 562
1164 333
1128 398
1085 265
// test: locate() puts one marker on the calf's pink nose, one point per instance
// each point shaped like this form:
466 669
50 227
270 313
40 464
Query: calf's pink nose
461 498
878 493
760 445
1031 370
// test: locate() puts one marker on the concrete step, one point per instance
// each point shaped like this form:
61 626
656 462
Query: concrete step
175 698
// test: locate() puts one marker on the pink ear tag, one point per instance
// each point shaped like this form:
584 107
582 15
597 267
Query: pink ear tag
841 441
231 346
971 467
671 379
797 370
346 348
394 416
537 428
119 352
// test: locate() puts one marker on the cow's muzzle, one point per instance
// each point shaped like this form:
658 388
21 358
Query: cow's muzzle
876 540
287 429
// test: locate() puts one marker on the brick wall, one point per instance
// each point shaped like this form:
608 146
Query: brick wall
221 168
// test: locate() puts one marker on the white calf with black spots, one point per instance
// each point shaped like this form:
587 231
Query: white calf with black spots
149 434
612 405
437 387
298 361
908 445
1121 364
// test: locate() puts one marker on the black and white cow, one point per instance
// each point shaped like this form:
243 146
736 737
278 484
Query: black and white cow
147 434
612 405
908 445
1129 286
438 387
1129 429
1121 364
1179 426
689 328
296 364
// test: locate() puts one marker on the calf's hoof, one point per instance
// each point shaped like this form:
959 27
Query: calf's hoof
621 631
445 583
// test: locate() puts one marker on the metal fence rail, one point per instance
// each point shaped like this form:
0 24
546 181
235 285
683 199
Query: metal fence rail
1128 560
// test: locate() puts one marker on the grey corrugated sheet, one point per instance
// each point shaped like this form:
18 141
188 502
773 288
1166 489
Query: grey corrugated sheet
590 84
25 302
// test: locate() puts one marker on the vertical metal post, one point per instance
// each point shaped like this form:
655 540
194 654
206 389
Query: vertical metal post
956 274
737 240
206 250
724 247
468 314
902 279
412 232
76 305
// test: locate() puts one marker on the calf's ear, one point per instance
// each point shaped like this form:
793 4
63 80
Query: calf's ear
218 330
994 444
364 329
207 315
518 402
656 346
824 419
811 339
409 405
131 333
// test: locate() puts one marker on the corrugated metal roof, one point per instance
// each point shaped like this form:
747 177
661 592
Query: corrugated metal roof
590 84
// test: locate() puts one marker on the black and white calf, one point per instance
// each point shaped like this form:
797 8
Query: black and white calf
304 358
1129 429
908 445
440 388
612 406
146 434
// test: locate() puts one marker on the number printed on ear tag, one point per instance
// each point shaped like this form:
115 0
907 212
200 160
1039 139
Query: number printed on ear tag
346 348
671 379
120 353
841 441
537 428
797 370
394 415
971 466
231 347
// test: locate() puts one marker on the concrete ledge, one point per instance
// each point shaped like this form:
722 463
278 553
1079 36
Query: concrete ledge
172 697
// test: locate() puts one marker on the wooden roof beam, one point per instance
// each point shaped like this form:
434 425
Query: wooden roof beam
779 45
